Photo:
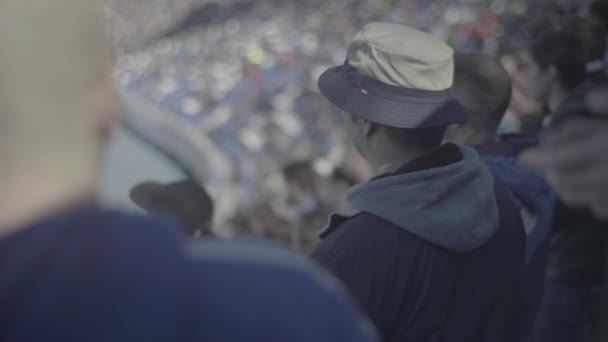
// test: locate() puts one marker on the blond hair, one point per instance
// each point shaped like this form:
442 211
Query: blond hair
54 74
55 94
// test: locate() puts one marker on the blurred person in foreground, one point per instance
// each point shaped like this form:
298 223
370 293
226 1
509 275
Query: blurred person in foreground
483 87
74 272
433 246
581 141
555 69
575 161
185 200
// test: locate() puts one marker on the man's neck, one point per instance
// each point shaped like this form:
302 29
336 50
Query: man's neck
392 158
473 136
27 199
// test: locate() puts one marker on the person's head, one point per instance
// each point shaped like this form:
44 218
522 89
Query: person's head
185 200
483 86
554 64
394 91
57 102
592 34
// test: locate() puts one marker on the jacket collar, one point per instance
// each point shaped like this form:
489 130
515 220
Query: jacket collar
440 157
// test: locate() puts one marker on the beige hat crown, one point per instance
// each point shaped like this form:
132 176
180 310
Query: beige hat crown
402 57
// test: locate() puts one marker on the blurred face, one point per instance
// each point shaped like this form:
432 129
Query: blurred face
537 82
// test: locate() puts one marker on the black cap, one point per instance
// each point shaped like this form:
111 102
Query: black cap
186 200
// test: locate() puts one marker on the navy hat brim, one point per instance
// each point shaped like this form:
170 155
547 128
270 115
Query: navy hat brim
389 105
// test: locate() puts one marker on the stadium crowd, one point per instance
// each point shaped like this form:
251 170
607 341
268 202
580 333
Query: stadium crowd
438 168
244 73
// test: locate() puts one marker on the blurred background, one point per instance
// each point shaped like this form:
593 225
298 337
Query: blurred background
224 92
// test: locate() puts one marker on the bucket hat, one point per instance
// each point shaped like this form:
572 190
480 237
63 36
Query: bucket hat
395 76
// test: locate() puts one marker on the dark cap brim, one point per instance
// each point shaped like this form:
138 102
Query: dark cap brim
146 194
389 105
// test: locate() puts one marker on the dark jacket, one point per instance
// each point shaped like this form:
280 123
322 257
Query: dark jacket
535 200
90 275
433 252
531 192
576 251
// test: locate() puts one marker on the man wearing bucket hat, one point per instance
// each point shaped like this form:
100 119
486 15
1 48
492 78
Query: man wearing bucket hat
432 247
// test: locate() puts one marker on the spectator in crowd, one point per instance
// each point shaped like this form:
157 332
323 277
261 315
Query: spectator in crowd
554 69
433 235
526 112
581 142
593 36
483 87
74 272
303 186
306 188
304 207
575 261
185 200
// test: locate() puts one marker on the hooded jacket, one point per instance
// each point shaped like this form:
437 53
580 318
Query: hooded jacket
432 252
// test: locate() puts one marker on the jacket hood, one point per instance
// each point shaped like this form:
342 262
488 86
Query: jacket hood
453 206
531 193
529 189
